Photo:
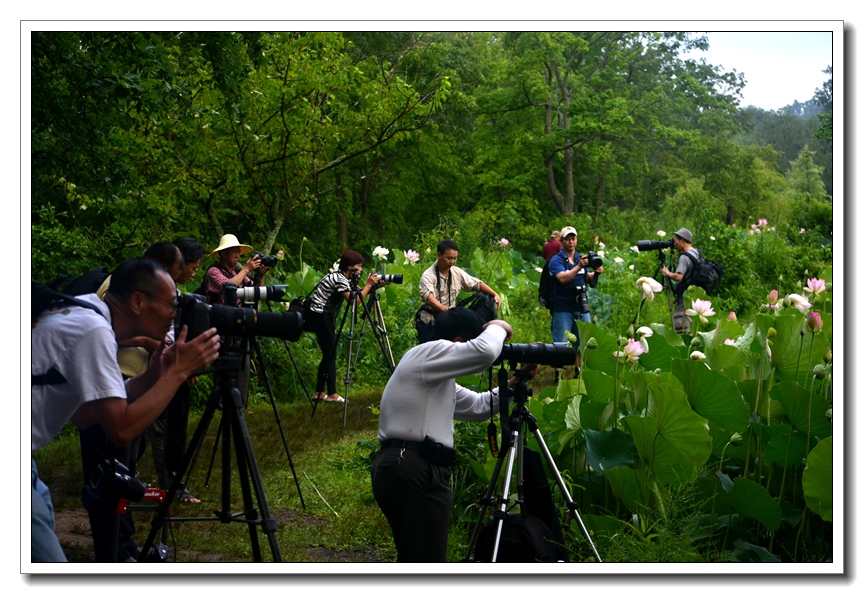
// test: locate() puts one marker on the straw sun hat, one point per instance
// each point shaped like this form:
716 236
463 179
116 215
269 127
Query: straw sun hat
230 241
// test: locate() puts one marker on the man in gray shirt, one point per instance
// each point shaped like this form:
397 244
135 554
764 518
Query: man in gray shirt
682 242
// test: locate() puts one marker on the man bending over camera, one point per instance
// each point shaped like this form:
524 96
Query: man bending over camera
411 473
78 345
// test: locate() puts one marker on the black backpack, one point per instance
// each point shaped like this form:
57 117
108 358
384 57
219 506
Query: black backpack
703 273
481 304
524 539
546 292
89 282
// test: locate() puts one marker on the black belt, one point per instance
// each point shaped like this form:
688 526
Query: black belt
437 453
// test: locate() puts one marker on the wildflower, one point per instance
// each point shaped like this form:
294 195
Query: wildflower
773 296
713 238
635 248
802 230
631 351
648 286
412 256
751 232
729 341
700 308
618 260
335 266
601 244
814 322
380 252
661 233
763 222
601 254
504 241
280 255
697 356
815 286
631 267
732 317
798 302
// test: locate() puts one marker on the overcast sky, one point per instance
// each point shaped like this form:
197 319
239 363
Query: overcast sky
779 66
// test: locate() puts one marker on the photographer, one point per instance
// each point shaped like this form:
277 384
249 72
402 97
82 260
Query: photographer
440 285
227 270
320 318
411 473
574 274
80 345
682 242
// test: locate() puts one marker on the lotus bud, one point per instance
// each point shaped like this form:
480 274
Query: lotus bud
696 342
828 357
697 356
592 343
772 332
622 341
787 302
814 322
737 439
631 331
733 317
829 414
820 371
828 287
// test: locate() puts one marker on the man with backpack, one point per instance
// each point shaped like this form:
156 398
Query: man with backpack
76 375
688 258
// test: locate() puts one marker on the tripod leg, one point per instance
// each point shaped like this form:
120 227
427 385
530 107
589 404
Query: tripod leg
354 300
488 499
276 414
385 340
515 439
163 510
248 469
571 505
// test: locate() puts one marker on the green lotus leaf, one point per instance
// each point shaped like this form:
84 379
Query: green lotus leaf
817 480
750 499
711 395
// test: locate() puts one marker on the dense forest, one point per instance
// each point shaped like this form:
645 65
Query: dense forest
317 142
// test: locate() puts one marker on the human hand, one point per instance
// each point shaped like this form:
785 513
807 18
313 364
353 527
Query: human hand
186 358
254 263
599 270
503 324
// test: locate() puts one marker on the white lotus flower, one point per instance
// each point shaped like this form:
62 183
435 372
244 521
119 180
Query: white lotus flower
648 286
618 260
798 302
697 356
380 252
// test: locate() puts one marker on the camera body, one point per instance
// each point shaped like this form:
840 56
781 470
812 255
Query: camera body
194 312
582 299
647 245
268 261
110 483
594 260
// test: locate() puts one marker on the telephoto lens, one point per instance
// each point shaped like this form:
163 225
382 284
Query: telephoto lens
391 278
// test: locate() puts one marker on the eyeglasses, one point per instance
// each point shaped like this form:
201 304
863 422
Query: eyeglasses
173 305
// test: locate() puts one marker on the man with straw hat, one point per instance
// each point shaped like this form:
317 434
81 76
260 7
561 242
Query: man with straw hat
229 252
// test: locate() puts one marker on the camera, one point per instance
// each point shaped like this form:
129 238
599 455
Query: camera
391 278
594 260
582 299
194 312
255 294
110 483
541 354
647 245
268 261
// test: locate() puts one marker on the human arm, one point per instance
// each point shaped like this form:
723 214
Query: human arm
149 393
675 276
559 269
474 406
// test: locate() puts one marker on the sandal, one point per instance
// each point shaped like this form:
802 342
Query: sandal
337 399
189 498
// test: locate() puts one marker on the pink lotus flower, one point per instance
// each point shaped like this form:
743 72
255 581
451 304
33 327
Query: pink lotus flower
763 222
729 341
504 241
412 256
702 309
802 230
815 286
814 322
648 286
280 255
773 298
631 351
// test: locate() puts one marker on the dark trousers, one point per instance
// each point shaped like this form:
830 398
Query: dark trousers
323 326
414 496
104 523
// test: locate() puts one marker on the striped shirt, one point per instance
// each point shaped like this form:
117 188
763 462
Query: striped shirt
327 295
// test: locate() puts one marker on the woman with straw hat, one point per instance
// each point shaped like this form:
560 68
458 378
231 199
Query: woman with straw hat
227 271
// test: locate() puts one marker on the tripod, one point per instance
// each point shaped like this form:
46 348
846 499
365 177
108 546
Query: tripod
378 331
227 395
514 428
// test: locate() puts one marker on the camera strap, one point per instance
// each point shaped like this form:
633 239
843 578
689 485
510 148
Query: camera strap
491 429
